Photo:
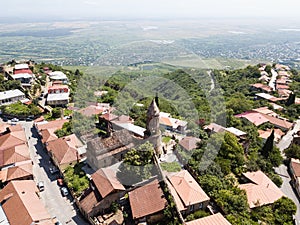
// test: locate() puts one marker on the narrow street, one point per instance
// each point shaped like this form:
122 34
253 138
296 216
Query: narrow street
58 206
273 79
286 187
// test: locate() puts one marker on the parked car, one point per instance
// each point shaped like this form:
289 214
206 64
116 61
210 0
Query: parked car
53 169
41 186
14 120
4 119
64 191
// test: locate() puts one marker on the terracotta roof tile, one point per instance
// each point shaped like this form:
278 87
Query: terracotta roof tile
216 219
254 117
176 197
64 149
17 172
55 124
215 128
106 181
21 195
147 200
12 139
261 191
189 143
187 188
48 135
295 164
89 202
279 122
14 154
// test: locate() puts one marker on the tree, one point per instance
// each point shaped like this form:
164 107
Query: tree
284 209
293 151
291 99
268 147
56 113
271 152
137 165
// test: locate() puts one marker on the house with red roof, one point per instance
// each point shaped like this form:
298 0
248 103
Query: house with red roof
105 188
66 151
21 204
147 203
169 123
294 167
261 87
187 193
215 219
260 189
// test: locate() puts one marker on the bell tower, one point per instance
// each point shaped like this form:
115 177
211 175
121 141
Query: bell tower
153 133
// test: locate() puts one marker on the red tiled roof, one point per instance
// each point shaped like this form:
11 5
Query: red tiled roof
279 122
216 219
295 164
187 188
262 191
91 110
189 143
176 197
266 133
106 181
12 139
23 71
147 200
254 117
17 172
123 119
48 135
262 87
22 196
108 116
215 128
282 86
89 202
165 121
14 154
57 124
64 149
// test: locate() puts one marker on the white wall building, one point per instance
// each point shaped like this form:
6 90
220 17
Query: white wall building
11 96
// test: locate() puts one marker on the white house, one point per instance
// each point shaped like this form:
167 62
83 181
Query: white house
11 96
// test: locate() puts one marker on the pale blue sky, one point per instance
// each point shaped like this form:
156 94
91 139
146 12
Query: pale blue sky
150 8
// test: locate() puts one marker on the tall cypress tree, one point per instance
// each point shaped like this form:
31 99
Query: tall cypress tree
291 99
268 147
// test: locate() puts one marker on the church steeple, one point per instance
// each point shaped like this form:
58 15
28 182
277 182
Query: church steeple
153 132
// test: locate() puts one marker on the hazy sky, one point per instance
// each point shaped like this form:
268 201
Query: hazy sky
150 8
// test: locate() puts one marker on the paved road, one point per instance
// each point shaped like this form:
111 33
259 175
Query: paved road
286 187
57 205
287 139
273 79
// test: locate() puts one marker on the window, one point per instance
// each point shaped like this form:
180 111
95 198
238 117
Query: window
191 207
200 205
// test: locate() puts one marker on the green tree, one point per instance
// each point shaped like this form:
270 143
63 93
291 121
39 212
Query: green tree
293 151
291 99
268 147
56 112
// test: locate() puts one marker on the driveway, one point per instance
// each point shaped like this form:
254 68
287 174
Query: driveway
58 206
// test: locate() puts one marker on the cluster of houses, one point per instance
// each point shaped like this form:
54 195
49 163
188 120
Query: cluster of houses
65 151
19 190
57 90
148 200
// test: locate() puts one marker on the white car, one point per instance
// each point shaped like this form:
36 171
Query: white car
15 120
41 186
